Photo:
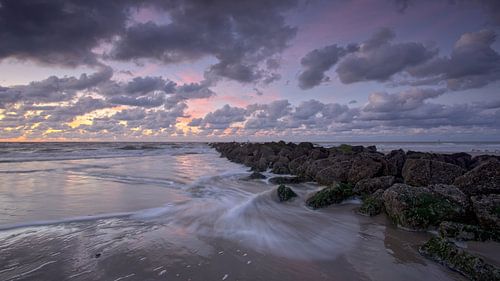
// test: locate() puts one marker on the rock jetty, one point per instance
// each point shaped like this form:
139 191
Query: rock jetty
457 194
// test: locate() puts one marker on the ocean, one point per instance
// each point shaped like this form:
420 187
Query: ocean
163 211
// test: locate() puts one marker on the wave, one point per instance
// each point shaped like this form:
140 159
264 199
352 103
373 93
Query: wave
65 220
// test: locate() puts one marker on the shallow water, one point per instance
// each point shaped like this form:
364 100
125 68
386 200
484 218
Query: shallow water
179 211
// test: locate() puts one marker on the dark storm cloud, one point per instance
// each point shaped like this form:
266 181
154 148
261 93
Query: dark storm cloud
58 31
316 63
379 59
240 35
53 89
243 36
472 63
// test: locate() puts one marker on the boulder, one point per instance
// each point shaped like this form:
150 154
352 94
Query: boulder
296 163
421 172
286 180
334 173
368 186
255 176
467 232
487 210
330 195
395 162
484 179
446 253
419 208
318 153
481 159
365 166
285 193
281 166
373 204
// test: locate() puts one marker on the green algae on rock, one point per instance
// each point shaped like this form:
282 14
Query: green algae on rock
467 232
373 204
418 208
285 193
446 253
330 195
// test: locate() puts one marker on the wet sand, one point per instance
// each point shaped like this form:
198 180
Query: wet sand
127 249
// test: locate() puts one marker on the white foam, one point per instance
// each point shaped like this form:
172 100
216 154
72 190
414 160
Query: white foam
66 220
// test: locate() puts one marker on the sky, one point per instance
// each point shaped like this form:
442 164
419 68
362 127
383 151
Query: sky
223 70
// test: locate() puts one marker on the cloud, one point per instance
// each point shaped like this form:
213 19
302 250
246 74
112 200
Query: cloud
59 32
316 63
473 63
221 118
241 36
391 113
244 39
490 7
53 89
379 59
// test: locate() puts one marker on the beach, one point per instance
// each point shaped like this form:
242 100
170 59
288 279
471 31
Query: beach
179 211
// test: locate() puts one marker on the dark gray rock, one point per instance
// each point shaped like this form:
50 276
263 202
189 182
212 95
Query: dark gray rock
419 208
421 172
286 180
255 176
368 186
281 166
285 193
487 210
484 179
395 162
366 166
467 232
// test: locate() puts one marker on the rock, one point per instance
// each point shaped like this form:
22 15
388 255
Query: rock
98 255
255 176
373 204
446 253
421 172
286 180
419 208
395 162
484 179
318 153
467 232
482 159
365 166
285 193
487 210
330 195
331 175
281 166
368 186
296 163
452 193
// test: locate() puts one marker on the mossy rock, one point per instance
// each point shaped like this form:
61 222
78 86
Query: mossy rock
330 195
419 208
285 193
446 253
345 148
467 232
373 204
